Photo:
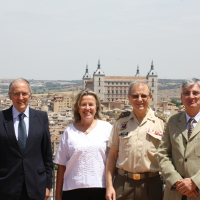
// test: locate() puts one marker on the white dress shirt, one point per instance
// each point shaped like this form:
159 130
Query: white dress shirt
16 113
197 117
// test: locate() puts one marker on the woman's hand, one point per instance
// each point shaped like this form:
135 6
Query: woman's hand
59 182
58 196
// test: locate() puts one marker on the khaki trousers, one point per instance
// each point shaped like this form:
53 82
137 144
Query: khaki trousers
129 189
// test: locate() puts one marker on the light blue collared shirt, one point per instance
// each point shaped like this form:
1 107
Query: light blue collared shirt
16 113
197 117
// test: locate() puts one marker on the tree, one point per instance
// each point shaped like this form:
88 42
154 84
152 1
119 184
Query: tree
176 102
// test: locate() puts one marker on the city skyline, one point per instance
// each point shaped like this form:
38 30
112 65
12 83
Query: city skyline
52 40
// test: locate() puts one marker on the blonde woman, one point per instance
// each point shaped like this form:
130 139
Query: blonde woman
82 152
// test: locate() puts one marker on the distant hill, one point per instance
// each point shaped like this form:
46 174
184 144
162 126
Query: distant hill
170 80
169 89
166 84
78 82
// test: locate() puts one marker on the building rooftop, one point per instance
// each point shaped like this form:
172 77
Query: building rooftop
127 78
122 78
56 96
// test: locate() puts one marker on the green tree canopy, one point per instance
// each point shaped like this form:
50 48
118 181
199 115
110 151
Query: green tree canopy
176 102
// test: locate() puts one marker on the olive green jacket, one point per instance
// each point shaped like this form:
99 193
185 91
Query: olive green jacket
179 157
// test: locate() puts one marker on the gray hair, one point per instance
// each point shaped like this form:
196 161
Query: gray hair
137 82
19 80
189 82
77 103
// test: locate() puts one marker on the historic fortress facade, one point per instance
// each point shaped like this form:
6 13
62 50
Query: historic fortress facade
115 88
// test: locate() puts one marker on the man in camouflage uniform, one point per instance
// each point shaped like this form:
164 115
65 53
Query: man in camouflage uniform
133 150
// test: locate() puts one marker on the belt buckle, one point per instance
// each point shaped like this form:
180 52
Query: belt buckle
136 176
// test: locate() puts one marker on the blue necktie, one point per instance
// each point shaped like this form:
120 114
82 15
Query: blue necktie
22 136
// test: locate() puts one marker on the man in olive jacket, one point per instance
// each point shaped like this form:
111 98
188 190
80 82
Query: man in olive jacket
179 150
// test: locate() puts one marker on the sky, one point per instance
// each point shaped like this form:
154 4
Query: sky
56 39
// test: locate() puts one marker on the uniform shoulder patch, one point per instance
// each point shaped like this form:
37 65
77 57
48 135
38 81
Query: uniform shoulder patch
161 116
124 114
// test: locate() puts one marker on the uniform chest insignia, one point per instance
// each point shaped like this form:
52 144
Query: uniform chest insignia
123 134
123 125
154 132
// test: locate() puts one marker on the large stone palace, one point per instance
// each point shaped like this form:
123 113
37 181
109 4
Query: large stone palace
115 88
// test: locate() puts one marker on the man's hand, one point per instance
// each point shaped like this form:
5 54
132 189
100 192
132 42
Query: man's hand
110 193
186 186
47 193
194 193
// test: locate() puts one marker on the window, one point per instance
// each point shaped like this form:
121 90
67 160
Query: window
99 91
116 91
99 79
124 91
152 91
112 91
99 83
120 91
108 91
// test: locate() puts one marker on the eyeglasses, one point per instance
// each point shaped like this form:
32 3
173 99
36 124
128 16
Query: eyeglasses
187 93
136 96
24 94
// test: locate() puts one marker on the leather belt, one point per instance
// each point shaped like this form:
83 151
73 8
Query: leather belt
136 176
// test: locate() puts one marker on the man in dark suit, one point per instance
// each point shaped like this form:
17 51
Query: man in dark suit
25 148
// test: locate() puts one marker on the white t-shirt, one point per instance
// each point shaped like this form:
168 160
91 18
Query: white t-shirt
84 156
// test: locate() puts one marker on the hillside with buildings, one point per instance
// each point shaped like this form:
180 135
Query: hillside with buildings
57 98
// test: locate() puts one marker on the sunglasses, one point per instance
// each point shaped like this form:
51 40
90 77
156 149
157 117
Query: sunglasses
136 96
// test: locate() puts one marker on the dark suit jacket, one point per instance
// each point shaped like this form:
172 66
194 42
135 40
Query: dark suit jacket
34 165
